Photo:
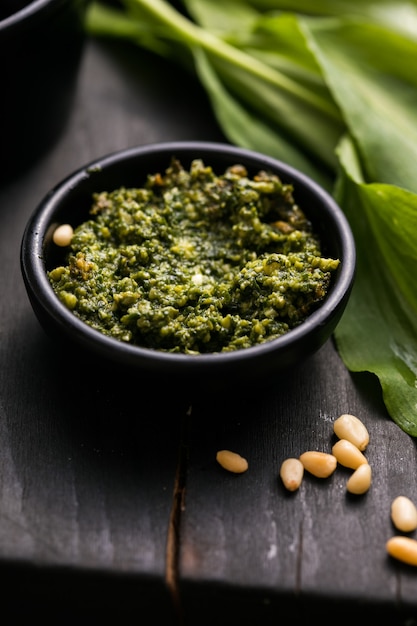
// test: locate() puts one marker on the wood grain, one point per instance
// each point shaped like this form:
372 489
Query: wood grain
115 507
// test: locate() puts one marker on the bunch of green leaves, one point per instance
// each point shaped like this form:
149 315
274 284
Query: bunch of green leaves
330 87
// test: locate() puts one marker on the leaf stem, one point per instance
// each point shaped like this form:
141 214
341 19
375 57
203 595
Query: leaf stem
194 35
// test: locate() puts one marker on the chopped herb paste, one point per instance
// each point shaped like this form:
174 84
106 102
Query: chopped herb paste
195 262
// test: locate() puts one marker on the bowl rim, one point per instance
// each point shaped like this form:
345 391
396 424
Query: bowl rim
32 10
37 283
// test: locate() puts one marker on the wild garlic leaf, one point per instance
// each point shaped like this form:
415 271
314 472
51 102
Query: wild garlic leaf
399 15
279 41
222 18
106 21
378 330
242 128
306 117
372 74
278 45
274 39
308 127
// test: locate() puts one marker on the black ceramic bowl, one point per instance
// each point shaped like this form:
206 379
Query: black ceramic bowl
41 43
69 202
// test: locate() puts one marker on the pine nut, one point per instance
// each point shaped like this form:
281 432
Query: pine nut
348 454
351 428
404 514
291 473
360 480
320 464
62 235
231 461
403 548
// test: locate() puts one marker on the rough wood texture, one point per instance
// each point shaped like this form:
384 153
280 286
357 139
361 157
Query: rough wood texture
109 507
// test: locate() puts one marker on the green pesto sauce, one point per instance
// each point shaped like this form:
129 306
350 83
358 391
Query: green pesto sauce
195 262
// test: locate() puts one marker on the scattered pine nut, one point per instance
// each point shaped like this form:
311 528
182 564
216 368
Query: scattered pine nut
62 235
320 464
232 462
404 514
403 548
351 428
360 480
291 473
348 454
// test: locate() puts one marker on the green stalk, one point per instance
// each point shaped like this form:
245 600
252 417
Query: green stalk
189 32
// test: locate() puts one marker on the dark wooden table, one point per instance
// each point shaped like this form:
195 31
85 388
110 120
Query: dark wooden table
112 504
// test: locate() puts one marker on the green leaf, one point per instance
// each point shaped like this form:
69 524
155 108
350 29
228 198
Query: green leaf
378 331
305 116
243 129
277 44
306 127
372 74
105 21
222 18
399 15
275 40
279 41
